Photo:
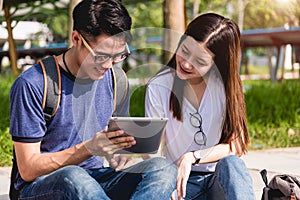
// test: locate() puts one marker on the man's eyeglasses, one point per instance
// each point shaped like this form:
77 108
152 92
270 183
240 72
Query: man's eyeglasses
196 121
101 58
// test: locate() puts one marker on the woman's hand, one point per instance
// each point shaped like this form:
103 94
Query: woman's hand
106 143
184 166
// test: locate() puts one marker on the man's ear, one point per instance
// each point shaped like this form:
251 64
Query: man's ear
76 40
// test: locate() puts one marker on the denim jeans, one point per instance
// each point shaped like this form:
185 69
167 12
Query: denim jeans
151 179
230 181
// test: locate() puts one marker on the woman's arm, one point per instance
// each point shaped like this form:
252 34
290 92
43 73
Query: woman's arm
184 164
215 153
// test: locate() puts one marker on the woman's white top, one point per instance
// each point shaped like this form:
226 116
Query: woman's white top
179 136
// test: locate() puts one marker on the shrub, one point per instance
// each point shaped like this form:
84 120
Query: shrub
5 140
273 113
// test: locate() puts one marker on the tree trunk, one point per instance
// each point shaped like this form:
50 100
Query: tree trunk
196 7
11 42
242 4
174 24
72 5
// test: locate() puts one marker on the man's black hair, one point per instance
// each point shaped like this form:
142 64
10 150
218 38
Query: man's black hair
95 17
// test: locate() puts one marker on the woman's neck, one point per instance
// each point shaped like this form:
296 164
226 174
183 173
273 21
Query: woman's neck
194 91
195 81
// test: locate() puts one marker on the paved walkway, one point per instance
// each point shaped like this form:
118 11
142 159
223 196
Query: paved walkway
276 161
4 182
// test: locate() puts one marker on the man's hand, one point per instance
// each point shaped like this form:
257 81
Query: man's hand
106 143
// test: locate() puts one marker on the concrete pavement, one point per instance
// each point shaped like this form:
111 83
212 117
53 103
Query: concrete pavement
4 182
276 161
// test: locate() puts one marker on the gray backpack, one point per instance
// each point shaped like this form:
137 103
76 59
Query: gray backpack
281 187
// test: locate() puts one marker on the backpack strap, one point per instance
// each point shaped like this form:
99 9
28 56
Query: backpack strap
52 86
120 85
263 174
13 193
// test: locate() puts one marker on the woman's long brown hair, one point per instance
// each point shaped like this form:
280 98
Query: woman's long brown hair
222 38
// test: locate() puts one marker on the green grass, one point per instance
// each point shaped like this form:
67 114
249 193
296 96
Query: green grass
137 99
254 69
259 70
273 113
5 139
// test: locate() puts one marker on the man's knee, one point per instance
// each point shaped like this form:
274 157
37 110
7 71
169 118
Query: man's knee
75 181
72 172
73 176
162 164
164 171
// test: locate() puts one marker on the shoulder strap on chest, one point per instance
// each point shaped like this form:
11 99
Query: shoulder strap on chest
52 86
120 84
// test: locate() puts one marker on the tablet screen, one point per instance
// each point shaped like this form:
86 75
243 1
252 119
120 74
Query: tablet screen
147 132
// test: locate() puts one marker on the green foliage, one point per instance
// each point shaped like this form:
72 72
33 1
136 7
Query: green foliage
273 113
5 148
52 12
59 25
5 84
278 102
137 101
145 13
267 14
5 139
218 6
147 22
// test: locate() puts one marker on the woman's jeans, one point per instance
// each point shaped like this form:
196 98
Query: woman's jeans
151 179
230 181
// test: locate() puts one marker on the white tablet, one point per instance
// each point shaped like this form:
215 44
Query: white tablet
147 132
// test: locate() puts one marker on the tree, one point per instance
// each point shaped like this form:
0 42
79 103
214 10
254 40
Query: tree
145 13
265 14
291 12
18 10
174 24
241 4
11 42
72 5
218 6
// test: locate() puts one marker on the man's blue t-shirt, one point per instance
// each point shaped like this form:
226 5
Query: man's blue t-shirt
85 108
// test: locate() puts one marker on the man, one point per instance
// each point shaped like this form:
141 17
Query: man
63 159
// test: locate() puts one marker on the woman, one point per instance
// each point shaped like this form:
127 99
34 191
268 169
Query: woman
200 91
